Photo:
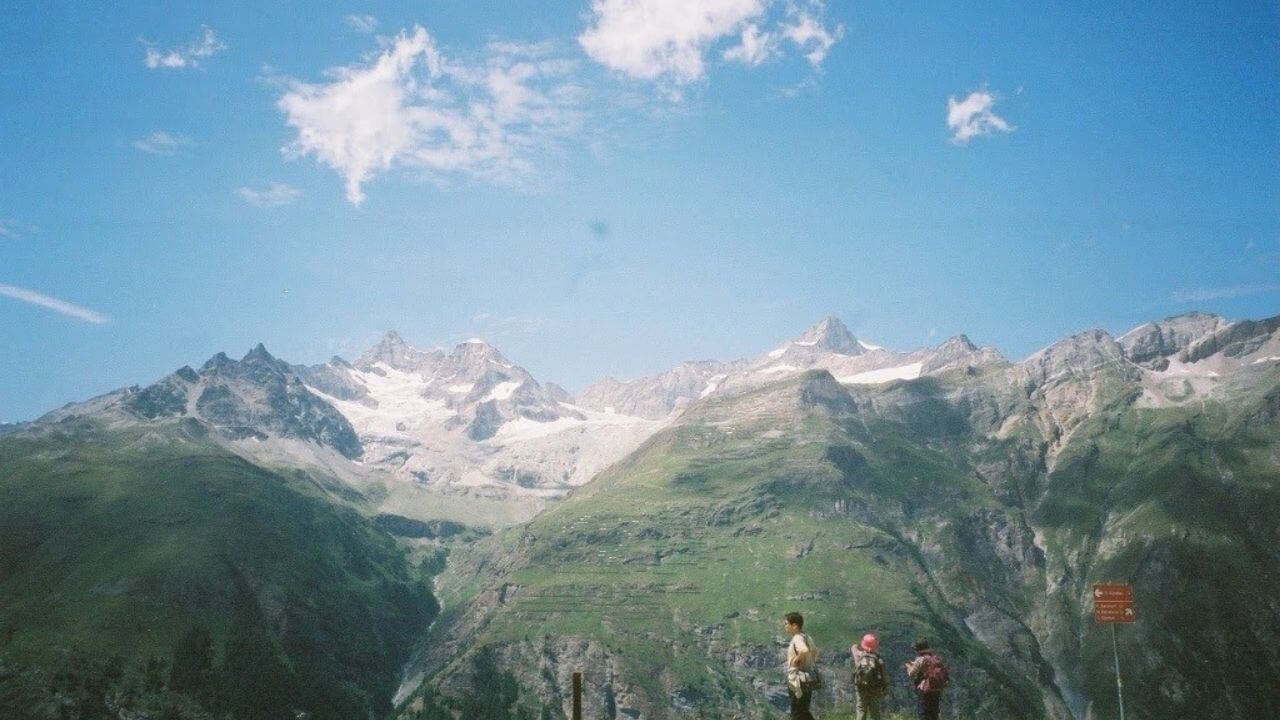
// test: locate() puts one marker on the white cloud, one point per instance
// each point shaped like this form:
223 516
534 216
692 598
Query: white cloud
668 40
649 39
362 23
188 56
275 195
754 48
974 117
412 107
162 143
809 34
53 303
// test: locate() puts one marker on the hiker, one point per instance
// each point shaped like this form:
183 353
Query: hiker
802 658
869 677
929 676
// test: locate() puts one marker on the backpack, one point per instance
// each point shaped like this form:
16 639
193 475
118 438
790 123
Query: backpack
810 678
934 676
868 674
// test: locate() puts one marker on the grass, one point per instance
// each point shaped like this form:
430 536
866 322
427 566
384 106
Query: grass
695 547
116 543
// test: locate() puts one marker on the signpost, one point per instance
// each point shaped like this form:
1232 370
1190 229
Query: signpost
1113 603
577 696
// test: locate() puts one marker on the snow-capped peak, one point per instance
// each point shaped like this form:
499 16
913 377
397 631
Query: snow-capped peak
830 335
475 353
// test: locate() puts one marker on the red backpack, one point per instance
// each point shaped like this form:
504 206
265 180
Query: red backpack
933 676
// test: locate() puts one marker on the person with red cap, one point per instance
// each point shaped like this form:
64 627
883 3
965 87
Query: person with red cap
869 677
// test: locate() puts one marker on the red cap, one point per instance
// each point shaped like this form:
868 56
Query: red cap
869 643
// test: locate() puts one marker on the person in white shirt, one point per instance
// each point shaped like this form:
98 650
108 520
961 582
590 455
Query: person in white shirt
802 655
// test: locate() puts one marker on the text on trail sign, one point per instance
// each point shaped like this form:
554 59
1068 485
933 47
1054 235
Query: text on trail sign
1113 603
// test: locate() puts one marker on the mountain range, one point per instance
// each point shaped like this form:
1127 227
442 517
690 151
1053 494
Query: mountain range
652 531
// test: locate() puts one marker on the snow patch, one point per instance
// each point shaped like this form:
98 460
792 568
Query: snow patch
780 351
503 390
1265 359
712 383
883 375
464 388
869 347
523 428
1180 369
778 369
399 399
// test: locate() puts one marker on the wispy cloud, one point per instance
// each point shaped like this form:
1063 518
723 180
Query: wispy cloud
274 195
813 38
16 229
362 23
1221 293
669 40
53 303
754 46
974 116
415 108
162 143
190 55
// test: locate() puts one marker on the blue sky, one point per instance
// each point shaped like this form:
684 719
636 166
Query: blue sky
601 191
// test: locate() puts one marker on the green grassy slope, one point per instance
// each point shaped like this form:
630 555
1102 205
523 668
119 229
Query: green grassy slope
925 507
677 565
119 549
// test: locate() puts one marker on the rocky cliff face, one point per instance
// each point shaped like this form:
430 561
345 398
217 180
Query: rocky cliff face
255 398
657 396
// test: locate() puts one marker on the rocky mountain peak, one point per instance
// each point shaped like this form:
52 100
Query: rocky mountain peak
959 352
959 343
831 335
476 352
1170 336
394 352
217 363
258 354
1080 357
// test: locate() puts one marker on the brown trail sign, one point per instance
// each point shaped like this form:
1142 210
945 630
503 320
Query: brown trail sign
1113 603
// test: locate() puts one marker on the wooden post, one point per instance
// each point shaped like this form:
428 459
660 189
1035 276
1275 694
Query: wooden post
1119 683
577 696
